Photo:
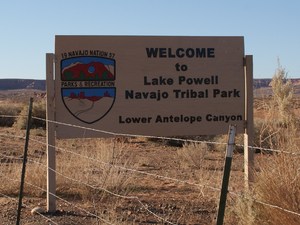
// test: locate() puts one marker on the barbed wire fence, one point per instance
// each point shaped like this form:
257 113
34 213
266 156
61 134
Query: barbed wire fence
116 166
129 169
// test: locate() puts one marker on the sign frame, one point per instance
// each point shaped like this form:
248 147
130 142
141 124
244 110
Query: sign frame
53 125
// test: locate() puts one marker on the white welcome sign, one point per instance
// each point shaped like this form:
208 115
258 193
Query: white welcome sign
149 85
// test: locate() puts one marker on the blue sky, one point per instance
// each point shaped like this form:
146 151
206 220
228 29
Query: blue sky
270 27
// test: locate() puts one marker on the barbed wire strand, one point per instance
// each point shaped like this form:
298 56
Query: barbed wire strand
128 169
26 206
133 170
165 138
276 207
125 168
156 137
105 190
10 116
69 203
263 203
127 135
132 197
141 172
11 157
159 137
114 194
144 206
12 136
269 150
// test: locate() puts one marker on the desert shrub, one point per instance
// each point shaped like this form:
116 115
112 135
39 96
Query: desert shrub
193 154
282 98
277 180
100 168
279 129
264 138
270 134
38 110
7 110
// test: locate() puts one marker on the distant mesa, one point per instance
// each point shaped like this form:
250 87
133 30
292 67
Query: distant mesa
88 71
16 84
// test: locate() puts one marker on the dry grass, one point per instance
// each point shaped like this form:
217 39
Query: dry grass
278 183
202 163
38 110
88 174
98 166
193 154
9 109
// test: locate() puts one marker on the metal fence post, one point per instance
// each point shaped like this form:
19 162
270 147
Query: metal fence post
226 174
24 161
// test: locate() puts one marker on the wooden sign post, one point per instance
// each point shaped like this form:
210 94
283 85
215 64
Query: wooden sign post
249 129
50 117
